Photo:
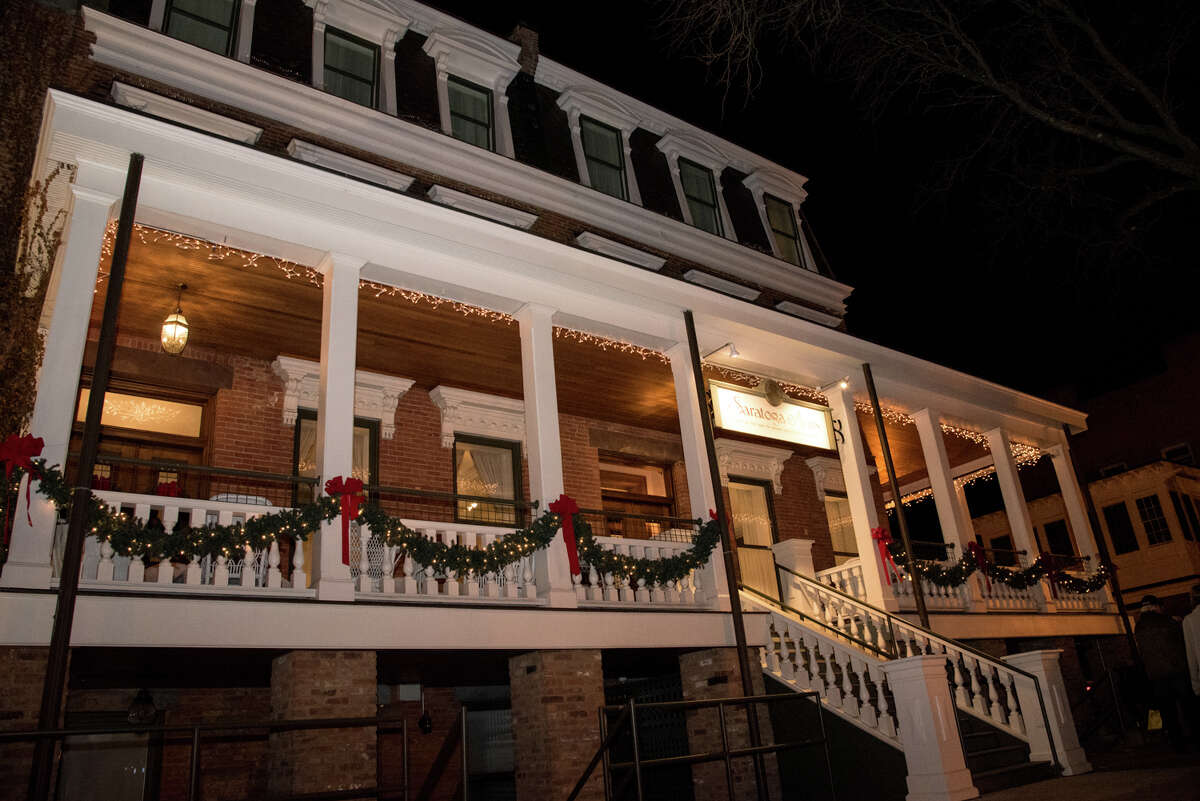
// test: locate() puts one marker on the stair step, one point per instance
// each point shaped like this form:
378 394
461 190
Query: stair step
1004 756
989 781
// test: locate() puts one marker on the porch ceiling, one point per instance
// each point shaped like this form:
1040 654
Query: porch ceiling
907 455
260 313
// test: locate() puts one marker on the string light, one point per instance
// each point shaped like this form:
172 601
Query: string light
605 343
796 390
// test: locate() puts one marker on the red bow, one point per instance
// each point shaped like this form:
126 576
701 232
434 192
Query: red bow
566 508
347 490
980 561
168 488
17 451
881 536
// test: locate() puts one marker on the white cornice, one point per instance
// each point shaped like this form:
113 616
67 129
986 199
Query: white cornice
355 168
474 56
698 149
603 106
128 47
827 473
480 207
796 310
182 113
466 412
375 395
378 22
763 462
599 244
778 183
721 285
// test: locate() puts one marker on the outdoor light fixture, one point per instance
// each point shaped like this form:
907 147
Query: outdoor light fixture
733 351
425 722
142 709
175 328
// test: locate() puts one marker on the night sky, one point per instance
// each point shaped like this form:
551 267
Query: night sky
953 275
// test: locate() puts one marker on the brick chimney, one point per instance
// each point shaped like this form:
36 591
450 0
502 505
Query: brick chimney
527 38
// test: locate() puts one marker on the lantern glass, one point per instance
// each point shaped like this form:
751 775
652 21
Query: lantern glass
175 333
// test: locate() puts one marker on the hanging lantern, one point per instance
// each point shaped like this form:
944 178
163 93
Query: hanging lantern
175 328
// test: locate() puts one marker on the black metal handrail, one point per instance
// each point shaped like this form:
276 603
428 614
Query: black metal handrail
197 730
167 464
441 495
628 721
1037 686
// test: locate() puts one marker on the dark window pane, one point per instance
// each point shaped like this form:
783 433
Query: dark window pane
1120 528
782 218
1058 539
604 156
1153 520
350 67
470 113
701 195
204 23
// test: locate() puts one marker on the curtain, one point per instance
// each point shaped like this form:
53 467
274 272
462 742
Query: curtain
361 455
485 471
306 464
751 516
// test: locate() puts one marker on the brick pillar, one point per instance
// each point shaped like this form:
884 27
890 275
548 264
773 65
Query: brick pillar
23 670
555 698
322 684
714 673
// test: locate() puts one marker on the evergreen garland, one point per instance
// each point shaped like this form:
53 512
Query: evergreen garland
647 571
956 574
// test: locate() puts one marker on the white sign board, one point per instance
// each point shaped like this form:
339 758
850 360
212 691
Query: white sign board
738 409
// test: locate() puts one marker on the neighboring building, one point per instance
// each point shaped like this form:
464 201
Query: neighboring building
425 256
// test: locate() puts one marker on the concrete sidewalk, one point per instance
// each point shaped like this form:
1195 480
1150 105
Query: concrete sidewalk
1139 774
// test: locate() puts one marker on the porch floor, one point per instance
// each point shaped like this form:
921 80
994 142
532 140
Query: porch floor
1124 774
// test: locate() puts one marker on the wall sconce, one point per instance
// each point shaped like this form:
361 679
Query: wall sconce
175 328
733 351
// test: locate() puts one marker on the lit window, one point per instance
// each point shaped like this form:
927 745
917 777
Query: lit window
605 157
1153 520
754 530
841 527
782 218
700 192
204 23
351 67
364 455
470 112
486 469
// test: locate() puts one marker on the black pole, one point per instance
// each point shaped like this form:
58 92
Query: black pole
1102 548
918 594
81 496
731 571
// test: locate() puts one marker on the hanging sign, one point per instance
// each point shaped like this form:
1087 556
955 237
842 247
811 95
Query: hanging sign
739 409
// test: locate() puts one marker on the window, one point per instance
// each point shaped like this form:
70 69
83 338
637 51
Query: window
351 67
1180 453
483 469
1002 551
633 491
605 157
782 218
364 457
470 112
754 530
1058 539
841 527
204 23
700 192
1113 469
1120 528
1185 513
1153 520
1191 505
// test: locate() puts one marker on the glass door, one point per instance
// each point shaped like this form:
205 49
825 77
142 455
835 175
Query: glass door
754 532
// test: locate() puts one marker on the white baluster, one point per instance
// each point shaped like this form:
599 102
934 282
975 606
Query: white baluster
248 571
299 577
137 569
866 710
996 713
850 704
770 654
389 570
221 572
408 584
104 571
883 719
512 579
364 559
594 591
166 571
193 570
527 580
274 574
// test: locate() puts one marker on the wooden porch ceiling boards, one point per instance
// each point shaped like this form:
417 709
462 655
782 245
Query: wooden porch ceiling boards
258 312
906 449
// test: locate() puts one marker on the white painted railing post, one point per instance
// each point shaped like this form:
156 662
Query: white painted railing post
552 572
95 192
937 767
335 416
1044 666
794 554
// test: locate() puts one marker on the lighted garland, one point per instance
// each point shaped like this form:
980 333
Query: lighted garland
130 536
957 573
646 571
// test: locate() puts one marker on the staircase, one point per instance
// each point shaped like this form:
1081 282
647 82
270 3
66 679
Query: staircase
824 640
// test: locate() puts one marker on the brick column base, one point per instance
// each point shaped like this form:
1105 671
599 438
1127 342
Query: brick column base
23 669
322 684
711 674
556 730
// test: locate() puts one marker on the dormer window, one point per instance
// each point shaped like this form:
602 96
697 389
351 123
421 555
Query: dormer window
204 23
700 191
781 217
470 112
351 67
604 156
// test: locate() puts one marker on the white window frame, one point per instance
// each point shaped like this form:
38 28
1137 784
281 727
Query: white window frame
678 144
368 23
480 60
243 26
578 102
789 188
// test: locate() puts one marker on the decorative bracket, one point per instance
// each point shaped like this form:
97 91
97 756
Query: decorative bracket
375 395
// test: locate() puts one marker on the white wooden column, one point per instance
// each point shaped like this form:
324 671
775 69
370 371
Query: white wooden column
544 444
158 12
635 193
387 77
1015 507
1073 500
941 480
695 462
504 137
852 451
245 31
335 413
29 557
318 48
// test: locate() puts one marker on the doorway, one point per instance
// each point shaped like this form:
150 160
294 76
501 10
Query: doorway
754 531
